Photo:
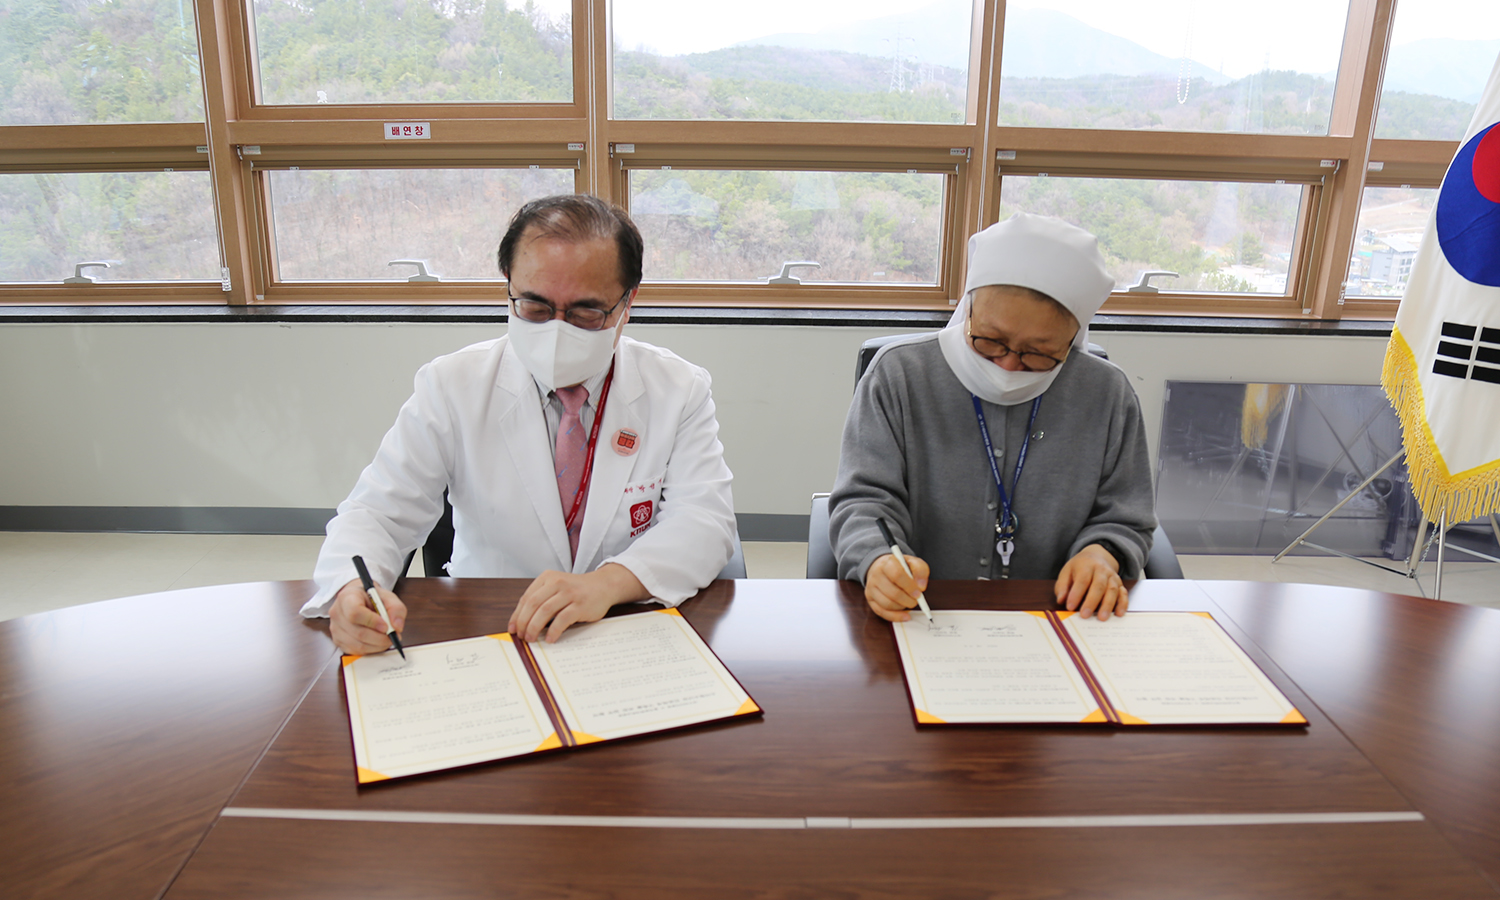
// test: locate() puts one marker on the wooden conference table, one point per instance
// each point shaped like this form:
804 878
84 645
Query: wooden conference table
194 744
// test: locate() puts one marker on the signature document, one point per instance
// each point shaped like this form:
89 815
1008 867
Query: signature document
486 698
1033 667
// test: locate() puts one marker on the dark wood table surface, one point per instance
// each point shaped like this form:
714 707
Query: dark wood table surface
196 743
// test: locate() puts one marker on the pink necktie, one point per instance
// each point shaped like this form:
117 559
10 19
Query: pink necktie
568 460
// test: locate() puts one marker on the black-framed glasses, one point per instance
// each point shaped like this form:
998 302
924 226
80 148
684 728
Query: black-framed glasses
994 350
589 318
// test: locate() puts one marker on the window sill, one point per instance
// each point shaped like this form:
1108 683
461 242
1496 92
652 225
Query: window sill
647 315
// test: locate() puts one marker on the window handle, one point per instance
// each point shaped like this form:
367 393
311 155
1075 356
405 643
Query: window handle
786 276
80 278
422 273
1143 283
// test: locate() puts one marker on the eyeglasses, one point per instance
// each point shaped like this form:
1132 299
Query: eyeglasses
589 318
994 350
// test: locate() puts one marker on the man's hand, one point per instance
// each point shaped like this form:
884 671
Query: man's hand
564 599
357 627
1090 584
890 591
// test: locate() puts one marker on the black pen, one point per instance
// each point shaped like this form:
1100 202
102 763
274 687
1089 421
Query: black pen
364 579
885 533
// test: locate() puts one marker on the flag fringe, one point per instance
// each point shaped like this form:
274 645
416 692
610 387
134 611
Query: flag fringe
1468 496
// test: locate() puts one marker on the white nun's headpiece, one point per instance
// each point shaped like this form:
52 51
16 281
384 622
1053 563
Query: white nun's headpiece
1044 254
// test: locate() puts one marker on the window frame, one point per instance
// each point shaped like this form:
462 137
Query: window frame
243 137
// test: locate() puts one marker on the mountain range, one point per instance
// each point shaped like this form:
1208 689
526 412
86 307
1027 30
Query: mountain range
1435 65
1056 45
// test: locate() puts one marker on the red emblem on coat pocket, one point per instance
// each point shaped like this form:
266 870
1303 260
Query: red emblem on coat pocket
640 514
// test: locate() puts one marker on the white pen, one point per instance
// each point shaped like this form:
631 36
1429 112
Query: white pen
885 532
369 585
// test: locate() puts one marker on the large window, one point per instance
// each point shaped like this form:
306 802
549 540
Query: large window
352 225
1177 65
1391 223
793 153
391 51
1441 55
745 226
836 60
82 63
1216 237
129 226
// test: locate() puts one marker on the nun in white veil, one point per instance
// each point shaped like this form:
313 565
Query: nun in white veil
999 447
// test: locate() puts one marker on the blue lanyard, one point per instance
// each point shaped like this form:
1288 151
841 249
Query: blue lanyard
1005 524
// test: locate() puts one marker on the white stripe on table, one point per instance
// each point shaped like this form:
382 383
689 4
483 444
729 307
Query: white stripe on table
1148 821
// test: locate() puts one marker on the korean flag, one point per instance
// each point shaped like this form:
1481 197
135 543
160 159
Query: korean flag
1442 367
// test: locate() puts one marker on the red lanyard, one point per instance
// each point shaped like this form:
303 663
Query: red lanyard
588 460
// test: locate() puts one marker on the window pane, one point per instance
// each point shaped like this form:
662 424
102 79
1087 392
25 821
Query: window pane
90 63
1178 65
1391 223
742 226
150 226
427 51
347 225
1217 237
829 60
1441 55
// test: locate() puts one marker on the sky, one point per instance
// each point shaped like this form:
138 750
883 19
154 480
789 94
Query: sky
1233 35
1467 19
674 27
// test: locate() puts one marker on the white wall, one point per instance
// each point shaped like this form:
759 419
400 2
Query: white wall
279 415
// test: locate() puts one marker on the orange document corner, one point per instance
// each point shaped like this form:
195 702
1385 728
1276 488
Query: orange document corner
670 611
747 707
581 738
368 775
1095 716
350 657
551 743
927 718
1294 718
1062 614
1127 719
1039 613
1205 615
503 637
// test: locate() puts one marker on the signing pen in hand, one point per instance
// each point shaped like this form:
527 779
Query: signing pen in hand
369 585
885 533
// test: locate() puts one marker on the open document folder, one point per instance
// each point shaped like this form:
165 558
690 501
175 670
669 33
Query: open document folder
1028 667
484 698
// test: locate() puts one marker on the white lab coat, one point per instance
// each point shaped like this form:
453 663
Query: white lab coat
474 425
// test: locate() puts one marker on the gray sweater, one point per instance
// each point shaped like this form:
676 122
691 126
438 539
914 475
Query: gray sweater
912 453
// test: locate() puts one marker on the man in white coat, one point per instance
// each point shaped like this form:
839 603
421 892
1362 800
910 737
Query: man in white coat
585 460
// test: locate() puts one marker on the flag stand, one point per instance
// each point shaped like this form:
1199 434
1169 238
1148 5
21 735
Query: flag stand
1414 559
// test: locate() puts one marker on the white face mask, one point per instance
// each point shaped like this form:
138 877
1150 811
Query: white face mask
560 354
983 378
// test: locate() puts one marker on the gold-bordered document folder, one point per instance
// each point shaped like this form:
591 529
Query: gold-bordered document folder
1044 667
475 700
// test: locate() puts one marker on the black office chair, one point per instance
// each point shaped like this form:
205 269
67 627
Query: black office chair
1161 562
438 549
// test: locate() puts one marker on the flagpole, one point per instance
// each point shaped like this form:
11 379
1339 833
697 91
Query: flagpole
1437 589
1340 505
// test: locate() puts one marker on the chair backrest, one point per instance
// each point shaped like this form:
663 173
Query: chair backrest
438 549
820 560
735 568
1162 562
